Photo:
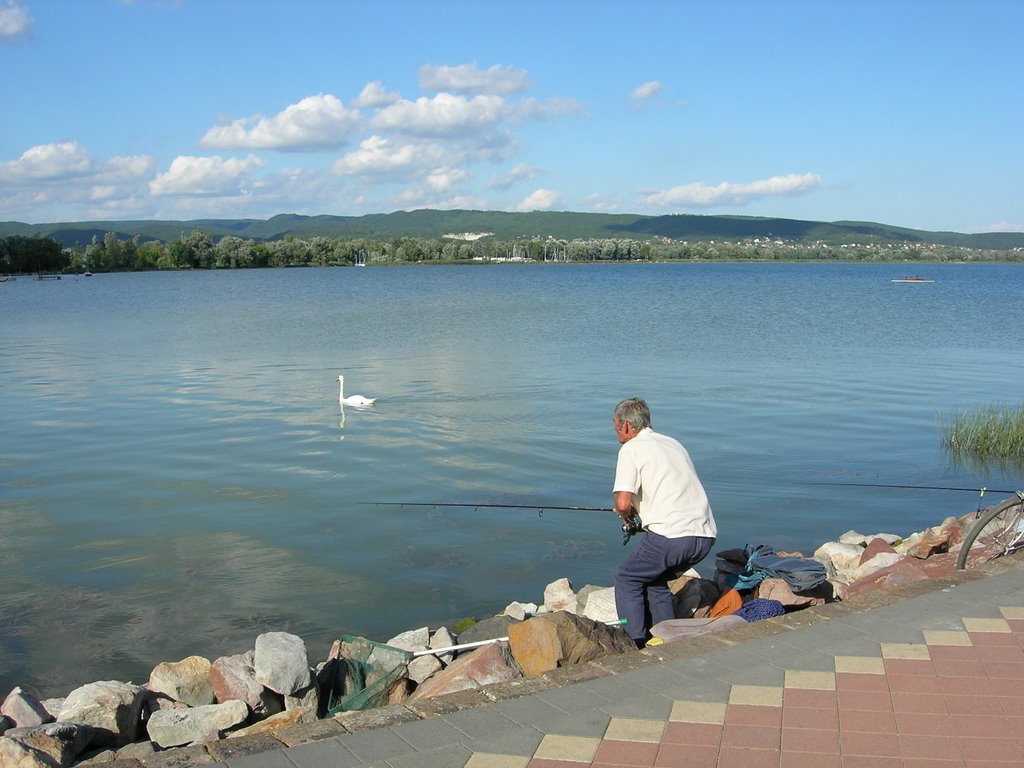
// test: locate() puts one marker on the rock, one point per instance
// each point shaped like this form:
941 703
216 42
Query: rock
839 559
423 667
16 755
491 663
52 707
853 538
519 611
929 545
112 708
308 698
487 629
61 741
876 546
281 662
294 716
442 638
176 727
23 709
558 596
877 563
187 681
553 640
413 640
599 604
5 724
140 750
234 677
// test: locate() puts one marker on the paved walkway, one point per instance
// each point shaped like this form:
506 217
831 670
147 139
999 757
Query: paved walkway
930 678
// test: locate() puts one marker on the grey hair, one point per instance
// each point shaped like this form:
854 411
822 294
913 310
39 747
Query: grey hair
635 412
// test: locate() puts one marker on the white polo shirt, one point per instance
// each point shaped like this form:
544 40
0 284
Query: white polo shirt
669 497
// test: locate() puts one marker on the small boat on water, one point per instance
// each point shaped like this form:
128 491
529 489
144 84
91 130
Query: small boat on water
912 279
46 276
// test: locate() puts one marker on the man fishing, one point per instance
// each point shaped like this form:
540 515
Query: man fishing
655 479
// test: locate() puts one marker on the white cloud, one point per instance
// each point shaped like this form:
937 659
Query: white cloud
62 176
540 200
381 156
15 22
468 78
314 123
727 193
646 91
445 179
375 95
518 173
189 175
48 161
443 115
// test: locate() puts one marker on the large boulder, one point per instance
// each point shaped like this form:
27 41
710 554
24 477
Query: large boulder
61 741
112 708
175 727
14 754
281 662
187 681
23 709
552 640
234 678
491 663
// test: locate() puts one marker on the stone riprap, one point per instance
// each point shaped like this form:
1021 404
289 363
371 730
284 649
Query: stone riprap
273 687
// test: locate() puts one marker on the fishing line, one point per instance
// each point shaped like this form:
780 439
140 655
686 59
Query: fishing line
539 507
920 487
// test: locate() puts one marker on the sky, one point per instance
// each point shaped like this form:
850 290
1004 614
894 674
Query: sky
902 112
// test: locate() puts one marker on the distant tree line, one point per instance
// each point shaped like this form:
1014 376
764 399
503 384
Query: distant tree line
197 250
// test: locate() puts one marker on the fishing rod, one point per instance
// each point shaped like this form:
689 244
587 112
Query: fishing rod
630 527
982 490
539 507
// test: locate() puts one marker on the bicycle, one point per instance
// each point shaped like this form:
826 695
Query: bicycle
999 529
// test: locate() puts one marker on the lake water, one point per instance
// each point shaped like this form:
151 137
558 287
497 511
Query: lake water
176 475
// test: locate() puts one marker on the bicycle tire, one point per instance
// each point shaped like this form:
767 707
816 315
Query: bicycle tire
1003 515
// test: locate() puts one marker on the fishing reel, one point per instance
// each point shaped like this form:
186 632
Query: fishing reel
630 527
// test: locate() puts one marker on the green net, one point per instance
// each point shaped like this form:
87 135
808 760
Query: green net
365 675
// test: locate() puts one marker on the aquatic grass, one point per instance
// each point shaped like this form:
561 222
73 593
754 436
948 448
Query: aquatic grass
994 433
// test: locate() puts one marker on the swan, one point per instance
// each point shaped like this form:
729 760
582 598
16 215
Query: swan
352 399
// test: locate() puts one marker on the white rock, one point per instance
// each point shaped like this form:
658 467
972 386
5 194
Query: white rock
843 558
281 662
876 563
422 667
519 611
442 638
175 727
853 537
413 640
558 596
113 708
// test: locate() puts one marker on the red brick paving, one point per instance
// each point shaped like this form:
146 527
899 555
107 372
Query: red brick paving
962 708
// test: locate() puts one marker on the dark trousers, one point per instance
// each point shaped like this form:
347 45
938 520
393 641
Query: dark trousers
642 596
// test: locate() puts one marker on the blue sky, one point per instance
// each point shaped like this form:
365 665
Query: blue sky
906 112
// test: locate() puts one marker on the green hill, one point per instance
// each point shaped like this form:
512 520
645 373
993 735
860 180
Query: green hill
562 225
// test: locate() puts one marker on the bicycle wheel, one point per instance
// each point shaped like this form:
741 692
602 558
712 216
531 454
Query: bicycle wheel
999 529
